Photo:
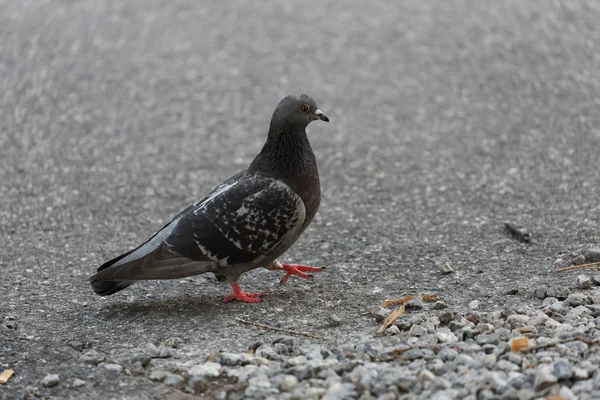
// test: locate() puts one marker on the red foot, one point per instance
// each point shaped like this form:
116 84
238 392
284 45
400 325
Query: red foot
240 295
298 270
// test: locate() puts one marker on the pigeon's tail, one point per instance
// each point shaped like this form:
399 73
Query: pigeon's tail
106 288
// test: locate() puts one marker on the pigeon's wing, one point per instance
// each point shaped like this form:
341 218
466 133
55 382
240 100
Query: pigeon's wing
243 223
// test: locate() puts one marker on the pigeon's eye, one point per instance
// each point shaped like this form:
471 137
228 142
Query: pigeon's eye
304 108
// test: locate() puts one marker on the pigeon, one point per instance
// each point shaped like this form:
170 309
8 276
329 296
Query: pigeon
246 222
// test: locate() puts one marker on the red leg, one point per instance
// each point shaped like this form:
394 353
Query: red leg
295 269
240 295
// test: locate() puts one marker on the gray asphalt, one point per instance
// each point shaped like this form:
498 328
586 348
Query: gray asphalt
447 118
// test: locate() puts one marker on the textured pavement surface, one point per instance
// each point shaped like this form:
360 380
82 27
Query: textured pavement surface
447 118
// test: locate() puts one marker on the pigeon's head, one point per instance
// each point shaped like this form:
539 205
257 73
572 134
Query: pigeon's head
298 110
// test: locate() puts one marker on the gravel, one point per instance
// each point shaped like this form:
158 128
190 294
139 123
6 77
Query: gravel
465 353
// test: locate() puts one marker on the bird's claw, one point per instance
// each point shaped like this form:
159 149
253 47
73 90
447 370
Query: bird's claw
298 270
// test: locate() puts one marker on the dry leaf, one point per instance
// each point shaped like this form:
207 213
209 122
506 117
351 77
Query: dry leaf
391 318
430 297
399 300
519 343
5 375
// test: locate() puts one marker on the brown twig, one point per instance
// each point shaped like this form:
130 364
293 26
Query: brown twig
396 301
272 328
391 318
578 266
518 233
430 297
366 312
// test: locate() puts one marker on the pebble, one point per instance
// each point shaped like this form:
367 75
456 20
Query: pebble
50 380
474 305
544 378
174 380
335 320
540 292
592 254
79 383
392 330
417 330
577 299
583 281
112 367
596 280
439 305
517 320
92 357
381 314
414 304
165 352
446 269
208 369
579 260
560 293
173 342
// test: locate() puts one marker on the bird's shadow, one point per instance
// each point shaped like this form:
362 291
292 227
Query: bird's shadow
185 305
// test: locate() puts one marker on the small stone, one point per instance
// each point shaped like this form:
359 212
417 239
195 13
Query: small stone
10 325
92 357
513 291
173 342
491 338
445 318
446 269
447 354
517 320
548 301
152 350
417 330
158 376
381 314
50 380
79 383
577 299
566 394
112 367
592 254
544 378
77 345
336 391
596 280
208 369
583 281
266 351
579 260
288 383
166 352
414 304
560 293
230 359
426 375
439 305
562 369
474 319
288 341
142 359
392 331
474 305
540 292
174 380
335 320
315 393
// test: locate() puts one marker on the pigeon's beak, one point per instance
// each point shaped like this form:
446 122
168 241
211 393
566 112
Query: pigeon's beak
319 114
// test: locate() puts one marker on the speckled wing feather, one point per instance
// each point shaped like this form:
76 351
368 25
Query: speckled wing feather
243 221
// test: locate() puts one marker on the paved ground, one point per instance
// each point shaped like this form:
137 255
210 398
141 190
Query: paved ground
447 118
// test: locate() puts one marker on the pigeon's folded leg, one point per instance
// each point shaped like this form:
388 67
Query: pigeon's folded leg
239 294
294 269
